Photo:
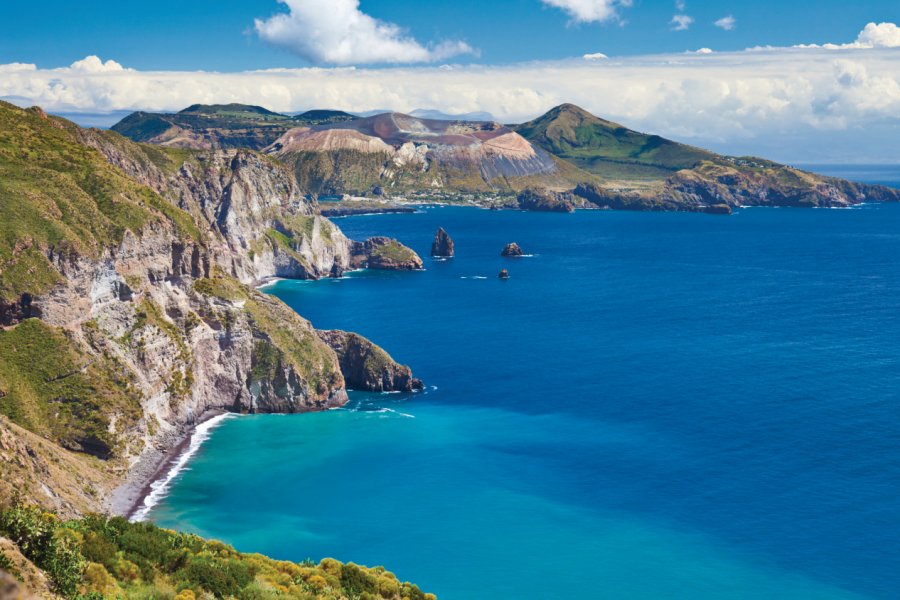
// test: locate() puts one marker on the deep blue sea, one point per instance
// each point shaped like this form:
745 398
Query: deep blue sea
653 406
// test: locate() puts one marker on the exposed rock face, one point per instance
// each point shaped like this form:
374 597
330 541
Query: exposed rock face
140 320
366 367
504 274
262 223
545 201
384 253
399 151
512 250
443 244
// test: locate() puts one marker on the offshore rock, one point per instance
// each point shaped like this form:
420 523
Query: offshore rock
384 254
443 244
512 250
366 367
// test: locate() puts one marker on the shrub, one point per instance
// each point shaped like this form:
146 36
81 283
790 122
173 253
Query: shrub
97 579
41 539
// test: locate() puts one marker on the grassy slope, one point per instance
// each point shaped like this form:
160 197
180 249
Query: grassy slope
56 193
608 149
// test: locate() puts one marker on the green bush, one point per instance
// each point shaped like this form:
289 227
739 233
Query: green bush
43 540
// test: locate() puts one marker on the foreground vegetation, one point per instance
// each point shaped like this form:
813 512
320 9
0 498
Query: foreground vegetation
100 557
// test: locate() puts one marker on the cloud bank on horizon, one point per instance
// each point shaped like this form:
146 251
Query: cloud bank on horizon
736 100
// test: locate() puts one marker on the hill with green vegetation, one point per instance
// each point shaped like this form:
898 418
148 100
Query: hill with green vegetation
608 149
98 557
224 126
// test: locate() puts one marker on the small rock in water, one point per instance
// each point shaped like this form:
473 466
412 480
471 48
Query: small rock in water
443 244
504 274
512 250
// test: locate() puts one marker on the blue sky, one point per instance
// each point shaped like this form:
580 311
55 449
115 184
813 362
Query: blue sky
218 34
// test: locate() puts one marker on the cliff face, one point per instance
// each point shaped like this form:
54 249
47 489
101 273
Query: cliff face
126 313
366 367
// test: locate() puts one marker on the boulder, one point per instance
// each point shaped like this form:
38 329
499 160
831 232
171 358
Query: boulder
504 274
443 244
512 250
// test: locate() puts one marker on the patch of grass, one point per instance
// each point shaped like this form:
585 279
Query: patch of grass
393 251
54 389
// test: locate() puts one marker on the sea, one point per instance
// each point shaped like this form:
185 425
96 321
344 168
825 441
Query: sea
652 406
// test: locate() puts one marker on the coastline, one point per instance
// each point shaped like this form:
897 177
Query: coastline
156 469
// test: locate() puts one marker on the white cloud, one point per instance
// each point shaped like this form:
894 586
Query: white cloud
595 56
15 67
590 11
784 101
881 35
681 22
727 23
702 51
93 64
680 5
337 32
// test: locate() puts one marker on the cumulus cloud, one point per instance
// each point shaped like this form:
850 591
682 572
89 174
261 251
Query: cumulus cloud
880 35
337 32
590 11
703 51
681 22
93 64
595 56
727 23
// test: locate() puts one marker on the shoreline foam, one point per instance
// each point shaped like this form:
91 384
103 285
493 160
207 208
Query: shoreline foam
157 489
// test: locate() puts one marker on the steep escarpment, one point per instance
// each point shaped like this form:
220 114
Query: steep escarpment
262 223
367 367
125 308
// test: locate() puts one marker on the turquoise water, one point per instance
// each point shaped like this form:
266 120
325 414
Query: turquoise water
653 406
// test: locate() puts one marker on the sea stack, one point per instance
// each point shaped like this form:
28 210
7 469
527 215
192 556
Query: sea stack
504 274
443 244
512 250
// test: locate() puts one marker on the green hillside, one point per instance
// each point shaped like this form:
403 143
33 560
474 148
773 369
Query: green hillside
608 149
58 193
220 125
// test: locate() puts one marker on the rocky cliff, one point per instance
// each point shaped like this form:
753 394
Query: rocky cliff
367 367
124 302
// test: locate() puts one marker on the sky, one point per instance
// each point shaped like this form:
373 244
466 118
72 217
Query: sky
749 89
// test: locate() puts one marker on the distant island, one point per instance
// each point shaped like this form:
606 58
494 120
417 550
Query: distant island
563 160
